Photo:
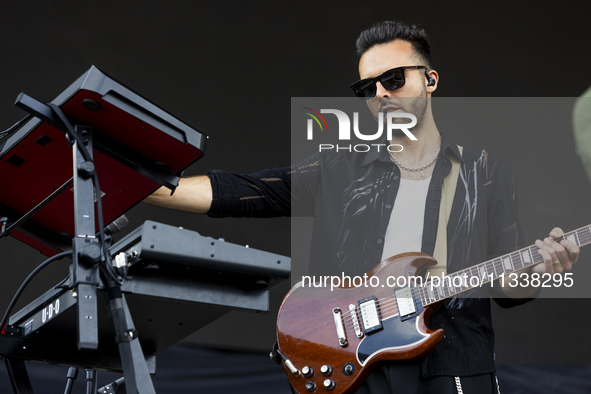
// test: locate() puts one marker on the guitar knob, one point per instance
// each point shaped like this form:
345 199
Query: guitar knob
307 372
326 370
310 386
329 384
349 369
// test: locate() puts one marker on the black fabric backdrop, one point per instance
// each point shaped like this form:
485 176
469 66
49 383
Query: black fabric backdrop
230 68
198 370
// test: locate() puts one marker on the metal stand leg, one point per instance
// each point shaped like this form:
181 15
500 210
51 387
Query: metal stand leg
135 370
90 381
19 377
85 246
71 377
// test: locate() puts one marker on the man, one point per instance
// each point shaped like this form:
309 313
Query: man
359 200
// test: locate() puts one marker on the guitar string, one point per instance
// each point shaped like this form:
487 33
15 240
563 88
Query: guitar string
390 301
388 304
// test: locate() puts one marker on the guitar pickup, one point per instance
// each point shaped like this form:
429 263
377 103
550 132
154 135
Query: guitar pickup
406 303
370 314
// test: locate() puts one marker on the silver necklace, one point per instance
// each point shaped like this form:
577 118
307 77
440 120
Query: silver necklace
413 169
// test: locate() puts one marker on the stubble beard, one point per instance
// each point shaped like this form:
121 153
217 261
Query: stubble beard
417 106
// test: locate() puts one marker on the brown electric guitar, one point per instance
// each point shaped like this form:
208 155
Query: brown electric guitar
330 339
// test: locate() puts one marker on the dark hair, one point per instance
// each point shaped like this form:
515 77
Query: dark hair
387 31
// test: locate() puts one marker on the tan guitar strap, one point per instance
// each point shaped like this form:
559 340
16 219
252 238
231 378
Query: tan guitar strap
448 191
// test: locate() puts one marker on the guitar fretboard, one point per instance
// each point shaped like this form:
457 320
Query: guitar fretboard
488 271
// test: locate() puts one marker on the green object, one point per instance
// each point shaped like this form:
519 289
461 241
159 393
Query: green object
582 129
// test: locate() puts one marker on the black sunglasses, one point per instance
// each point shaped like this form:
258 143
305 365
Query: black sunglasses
392 79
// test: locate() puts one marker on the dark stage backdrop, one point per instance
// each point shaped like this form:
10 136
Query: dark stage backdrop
229 69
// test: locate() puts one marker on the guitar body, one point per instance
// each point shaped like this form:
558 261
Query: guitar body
308 332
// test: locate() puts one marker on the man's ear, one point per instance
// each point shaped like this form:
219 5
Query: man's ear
432 80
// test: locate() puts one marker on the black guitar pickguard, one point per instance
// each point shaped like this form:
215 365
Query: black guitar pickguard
395 334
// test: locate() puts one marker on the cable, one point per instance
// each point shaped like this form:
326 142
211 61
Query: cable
15 126
26 282
112 274
71 131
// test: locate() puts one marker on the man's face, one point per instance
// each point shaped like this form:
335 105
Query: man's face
412 97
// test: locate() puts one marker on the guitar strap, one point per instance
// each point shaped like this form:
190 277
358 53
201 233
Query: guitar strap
448 190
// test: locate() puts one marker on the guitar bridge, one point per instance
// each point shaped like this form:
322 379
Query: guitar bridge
338 321
356 327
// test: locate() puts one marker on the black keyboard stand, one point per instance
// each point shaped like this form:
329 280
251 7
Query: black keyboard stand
178 281
86 256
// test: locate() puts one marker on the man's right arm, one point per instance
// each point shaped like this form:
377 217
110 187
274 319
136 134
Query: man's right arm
266 193
193 194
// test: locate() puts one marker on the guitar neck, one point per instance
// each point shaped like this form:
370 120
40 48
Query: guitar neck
437 289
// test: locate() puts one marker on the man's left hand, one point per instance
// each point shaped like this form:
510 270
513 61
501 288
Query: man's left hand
558 257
